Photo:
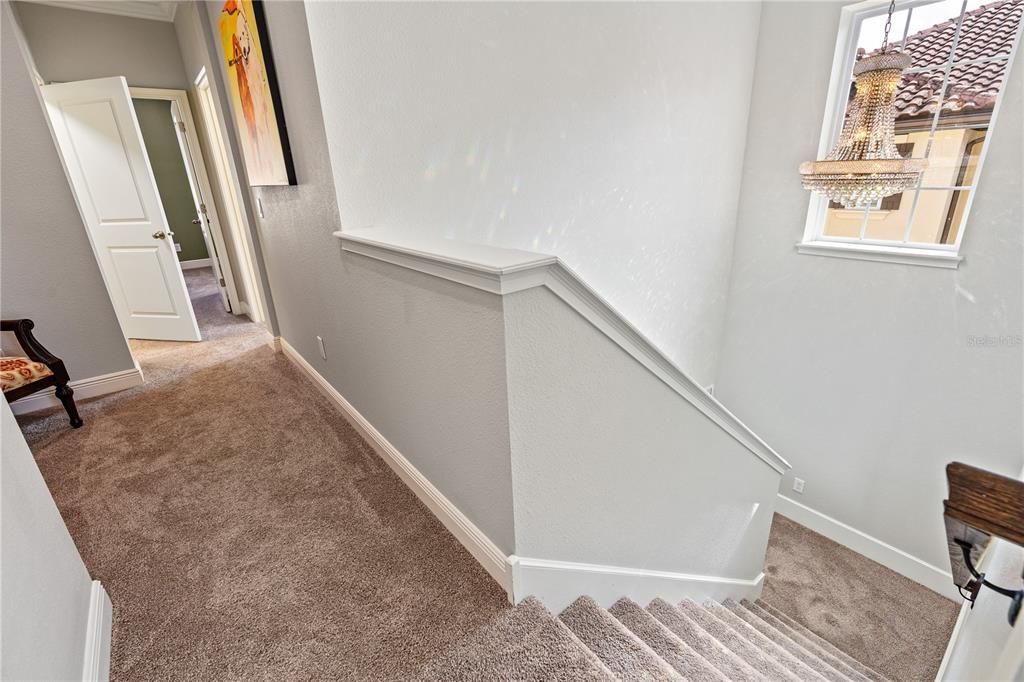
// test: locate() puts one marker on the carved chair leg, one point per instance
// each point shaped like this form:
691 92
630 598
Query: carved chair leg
65 393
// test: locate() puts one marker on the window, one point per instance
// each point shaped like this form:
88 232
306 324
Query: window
946 103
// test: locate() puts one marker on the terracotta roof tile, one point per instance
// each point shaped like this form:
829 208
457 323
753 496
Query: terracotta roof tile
987 31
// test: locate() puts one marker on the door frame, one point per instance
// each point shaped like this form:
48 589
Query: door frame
231 187
196 150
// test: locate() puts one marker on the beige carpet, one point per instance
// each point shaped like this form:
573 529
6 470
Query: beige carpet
242 528
244 531
872 613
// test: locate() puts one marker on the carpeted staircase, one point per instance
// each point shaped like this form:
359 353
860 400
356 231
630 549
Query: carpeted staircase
714 642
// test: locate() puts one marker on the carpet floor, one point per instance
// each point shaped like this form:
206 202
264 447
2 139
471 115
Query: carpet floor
244 531
867 610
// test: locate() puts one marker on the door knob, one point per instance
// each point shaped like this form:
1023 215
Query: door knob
159 234
197 221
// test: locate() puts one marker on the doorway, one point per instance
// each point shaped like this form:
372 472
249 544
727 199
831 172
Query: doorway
137 171
227 184
176 156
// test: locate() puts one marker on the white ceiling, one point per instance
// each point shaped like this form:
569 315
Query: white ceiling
160 10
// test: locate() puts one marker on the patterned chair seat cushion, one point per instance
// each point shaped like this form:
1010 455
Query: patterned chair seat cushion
16 372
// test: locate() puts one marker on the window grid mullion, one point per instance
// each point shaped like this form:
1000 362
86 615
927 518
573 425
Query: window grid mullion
864 224
945 80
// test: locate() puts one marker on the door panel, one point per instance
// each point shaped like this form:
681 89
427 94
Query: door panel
143 267
105 168
99 139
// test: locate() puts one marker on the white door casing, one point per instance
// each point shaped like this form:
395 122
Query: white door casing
100 141
229 187
206 213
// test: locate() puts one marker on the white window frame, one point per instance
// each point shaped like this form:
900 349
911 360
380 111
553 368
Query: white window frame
814 242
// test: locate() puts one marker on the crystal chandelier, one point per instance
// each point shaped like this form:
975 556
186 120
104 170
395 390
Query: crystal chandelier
865 165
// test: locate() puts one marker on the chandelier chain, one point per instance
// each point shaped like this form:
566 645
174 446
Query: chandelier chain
888 26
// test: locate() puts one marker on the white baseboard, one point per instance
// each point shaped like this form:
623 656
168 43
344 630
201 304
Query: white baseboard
958 626
558 583
196 263
84 388
905 564
472 538
96 664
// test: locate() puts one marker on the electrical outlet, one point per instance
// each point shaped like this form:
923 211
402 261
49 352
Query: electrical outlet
323 349
798 485
177 247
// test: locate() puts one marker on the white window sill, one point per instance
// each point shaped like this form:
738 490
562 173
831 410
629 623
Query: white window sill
933 258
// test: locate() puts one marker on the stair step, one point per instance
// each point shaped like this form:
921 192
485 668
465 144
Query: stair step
793 663
809 659
621 651
847 671
713 651
526 642
823 643
761 660
665 643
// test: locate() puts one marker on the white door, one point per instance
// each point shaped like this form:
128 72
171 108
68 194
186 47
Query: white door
101 143
206 213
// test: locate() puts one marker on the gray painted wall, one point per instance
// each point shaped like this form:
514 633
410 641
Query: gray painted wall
860 373
195 27
609 134
72 45
47 266
440 399
171 177
611 466
45 585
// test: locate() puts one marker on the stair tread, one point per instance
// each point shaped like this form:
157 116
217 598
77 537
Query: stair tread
619 649
665 643
714 651
760 659
808 658
865 670
848 671
759 640
526 642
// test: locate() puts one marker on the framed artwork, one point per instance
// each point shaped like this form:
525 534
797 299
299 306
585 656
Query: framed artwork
254 94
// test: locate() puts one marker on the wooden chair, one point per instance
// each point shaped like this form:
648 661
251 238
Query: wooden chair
21 376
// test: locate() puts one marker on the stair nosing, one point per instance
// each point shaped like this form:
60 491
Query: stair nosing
798 650
665 632
854 662
847 670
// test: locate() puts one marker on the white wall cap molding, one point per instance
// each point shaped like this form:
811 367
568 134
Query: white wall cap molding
504 271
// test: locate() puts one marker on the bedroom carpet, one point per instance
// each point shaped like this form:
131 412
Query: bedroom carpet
244 531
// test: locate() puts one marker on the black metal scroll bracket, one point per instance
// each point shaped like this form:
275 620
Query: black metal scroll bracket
1016 596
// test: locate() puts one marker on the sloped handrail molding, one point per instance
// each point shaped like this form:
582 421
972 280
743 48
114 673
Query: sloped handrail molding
504 271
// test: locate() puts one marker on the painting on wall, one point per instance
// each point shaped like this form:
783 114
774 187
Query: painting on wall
253 91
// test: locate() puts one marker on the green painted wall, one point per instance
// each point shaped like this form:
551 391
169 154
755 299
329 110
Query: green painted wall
169 168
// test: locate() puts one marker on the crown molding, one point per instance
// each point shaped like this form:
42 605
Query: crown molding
154 10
